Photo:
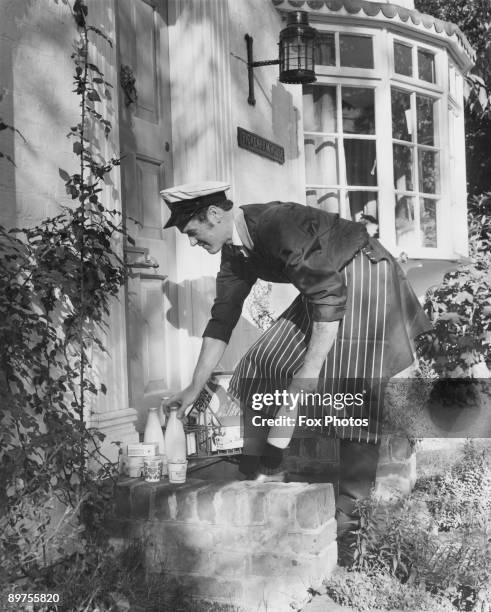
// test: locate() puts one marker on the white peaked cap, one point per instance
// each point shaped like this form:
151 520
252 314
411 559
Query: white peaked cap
192 191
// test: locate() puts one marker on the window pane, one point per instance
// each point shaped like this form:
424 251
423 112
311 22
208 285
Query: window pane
405 224
358 110
403 59
363 207
403 168
321 163
356 51
426 66
401 115
429 176
428 223
325 199
361 166
296 55
325 49
425 112
319 108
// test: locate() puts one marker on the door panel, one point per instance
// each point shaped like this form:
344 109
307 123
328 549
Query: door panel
150 179
147 34
146 167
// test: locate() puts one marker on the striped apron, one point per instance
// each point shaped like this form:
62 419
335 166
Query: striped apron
373 344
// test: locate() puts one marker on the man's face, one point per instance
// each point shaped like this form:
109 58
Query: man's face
210 234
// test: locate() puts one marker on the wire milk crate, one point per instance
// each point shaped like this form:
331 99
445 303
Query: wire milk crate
213 428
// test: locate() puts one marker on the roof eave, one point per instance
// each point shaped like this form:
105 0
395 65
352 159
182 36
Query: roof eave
393 16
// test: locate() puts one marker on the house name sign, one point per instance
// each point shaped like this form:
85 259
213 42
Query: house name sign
261 146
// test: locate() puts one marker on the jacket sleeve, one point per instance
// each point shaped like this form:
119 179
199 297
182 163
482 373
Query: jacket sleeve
313 248
233 284
309 269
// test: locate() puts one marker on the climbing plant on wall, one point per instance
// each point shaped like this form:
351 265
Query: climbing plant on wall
57 281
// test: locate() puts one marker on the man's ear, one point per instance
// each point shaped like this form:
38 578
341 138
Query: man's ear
215 214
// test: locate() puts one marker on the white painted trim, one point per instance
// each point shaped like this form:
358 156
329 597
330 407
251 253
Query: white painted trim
203 149
111 412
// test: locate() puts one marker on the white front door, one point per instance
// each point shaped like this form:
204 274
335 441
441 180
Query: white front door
146 167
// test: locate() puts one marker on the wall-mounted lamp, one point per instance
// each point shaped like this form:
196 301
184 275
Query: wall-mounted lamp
296 61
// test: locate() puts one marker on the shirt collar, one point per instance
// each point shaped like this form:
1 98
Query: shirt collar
237 242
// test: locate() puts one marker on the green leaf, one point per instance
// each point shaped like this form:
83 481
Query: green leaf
77 148
64 174
93 96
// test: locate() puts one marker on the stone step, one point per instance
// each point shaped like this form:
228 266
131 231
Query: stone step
241 542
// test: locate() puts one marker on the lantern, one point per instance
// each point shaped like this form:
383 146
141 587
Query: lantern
296 61
297 42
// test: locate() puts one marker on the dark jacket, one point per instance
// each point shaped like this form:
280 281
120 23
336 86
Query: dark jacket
294 244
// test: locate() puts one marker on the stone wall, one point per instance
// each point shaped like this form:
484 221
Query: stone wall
258 546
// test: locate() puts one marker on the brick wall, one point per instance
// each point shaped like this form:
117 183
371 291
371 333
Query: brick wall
317 459
259 546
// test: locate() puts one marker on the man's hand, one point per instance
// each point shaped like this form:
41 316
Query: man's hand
184 399
211 353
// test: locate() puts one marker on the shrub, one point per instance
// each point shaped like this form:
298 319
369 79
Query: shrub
379 590
460 307
462 496
99 579
434 541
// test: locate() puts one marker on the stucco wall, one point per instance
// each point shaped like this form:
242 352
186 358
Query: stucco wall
276 114
209 91
36 78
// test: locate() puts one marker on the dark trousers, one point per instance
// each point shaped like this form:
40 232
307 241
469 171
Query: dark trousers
357 471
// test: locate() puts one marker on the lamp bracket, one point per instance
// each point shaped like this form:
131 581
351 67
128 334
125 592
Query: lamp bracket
265 63
250 68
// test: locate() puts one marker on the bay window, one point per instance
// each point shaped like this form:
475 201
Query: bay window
377 125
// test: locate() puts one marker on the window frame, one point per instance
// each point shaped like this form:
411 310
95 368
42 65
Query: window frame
439 54
342 187
416 194
382 78
439 92
322 70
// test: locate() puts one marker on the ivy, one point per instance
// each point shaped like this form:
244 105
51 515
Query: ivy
57 282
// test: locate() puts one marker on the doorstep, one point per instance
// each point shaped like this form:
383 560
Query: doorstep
241 542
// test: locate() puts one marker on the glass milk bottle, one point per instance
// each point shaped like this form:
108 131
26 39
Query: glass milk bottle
153 434
175 438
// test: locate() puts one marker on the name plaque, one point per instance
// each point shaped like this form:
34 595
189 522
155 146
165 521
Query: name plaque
261 146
